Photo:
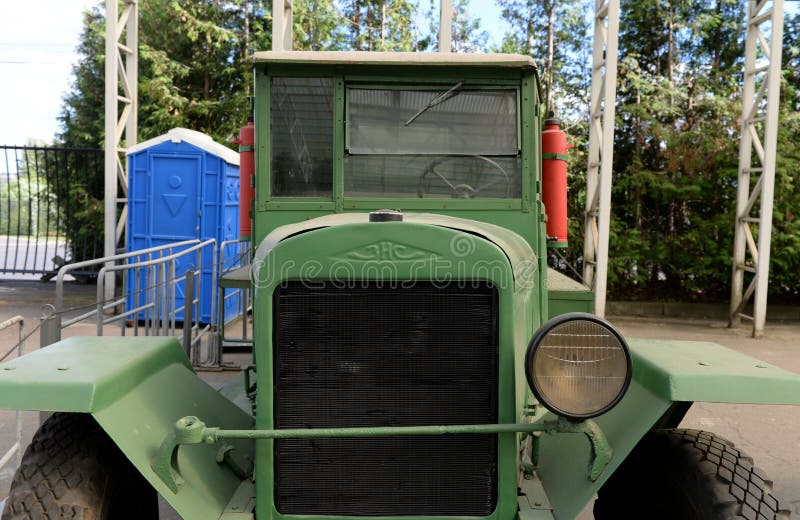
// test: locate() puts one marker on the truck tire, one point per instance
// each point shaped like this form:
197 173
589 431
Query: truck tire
73 470
687 475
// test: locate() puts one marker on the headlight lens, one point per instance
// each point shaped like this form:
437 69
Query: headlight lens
578 365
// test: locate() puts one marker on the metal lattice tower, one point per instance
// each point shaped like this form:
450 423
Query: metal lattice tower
282 24
601 150
756 179
121 77
445 24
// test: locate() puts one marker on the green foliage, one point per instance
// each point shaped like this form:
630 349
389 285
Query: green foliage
678 112
28 210
564 71
81 116
676 151
318 26
379 25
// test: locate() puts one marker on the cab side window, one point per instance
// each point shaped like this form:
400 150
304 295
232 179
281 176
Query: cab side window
301 130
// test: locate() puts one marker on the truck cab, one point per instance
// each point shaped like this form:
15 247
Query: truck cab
453 134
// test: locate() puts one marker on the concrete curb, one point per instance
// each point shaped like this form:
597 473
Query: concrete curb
717 311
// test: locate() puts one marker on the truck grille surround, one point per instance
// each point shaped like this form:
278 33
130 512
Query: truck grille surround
373 354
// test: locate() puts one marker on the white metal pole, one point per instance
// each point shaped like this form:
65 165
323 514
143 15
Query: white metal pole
282 20
132 73
445 25
743 177
595 136
110 163
122 74
601 149
277 25
759 118
768 173
607 157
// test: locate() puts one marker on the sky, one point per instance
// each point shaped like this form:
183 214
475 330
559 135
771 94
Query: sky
38 39
37 49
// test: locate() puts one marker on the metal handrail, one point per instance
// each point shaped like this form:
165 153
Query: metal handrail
152 299
16 448
244 299
164 310
122 256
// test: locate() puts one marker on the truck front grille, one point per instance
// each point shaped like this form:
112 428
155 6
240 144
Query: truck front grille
375 355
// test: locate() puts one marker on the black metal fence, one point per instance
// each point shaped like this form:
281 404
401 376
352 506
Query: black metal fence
51 207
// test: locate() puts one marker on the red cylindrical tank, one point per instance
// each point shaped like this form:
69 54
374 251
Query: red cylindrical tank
247 169
554 182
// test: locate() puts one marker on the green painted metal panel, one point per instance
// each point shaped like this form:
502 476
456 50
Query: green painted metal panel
663 372
413 249
84 374
512 244
140 421
559 304
701 371
563 458
566 295
136 388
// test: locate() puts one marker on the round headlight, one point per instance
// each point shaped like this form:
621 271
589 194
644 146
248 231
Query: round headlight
578 365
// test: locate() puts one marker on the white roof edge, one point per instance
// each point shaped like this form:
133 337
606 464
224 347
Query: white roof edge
193 137
396 58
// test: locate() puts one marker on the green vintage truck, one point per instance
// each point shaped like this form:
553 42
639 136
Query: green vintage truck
405 363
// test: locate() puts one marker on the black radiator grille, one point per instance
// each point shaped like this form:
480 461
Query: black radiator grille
386 356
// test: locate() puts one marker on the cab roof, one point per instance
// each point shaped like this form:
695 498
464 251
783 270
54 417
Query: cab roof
513 61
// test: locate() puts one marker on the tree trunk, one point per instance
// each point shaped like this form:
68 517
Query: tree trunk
383 26
246 42
671 54
551 9
369 28
717 41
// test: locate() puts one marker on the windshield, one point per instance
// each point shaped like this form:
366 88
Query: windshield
453 142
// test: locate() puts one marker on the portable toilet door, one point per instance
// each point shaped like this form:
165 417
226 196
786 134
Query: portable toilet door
175 210
175 190
176 193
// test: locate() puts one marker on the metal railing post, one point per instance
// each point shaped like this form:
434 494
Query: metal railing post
171 299
188 309
101 279
18 415
162 297
136 285
16 448
50 329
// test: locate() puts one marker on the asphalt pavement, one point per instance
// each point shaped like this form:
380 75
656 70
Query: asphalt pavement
770 434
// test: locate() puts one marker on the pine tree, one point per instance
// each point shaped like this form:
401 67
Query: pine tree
379 25
467 35
317 26
555 34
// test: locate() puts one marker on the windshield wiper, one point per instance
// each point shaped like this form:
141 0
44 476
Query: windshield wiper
438 100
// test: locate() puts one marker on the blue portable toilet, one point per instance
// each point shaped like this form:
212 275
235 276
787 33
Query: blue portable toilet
183 185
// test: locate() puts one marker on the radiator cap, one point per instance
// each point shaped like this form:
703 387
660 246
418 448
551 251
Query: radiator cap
386 215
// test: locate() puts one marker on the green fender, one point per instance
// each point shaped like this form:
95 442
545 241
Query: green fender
664 373
136 388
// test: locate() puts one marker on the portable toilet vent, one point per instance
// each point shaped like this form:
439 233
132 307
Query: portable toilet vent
181 186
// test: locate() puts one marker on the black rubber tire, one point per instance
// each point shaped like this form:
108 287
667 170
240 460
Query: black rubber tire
73 470
687 475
